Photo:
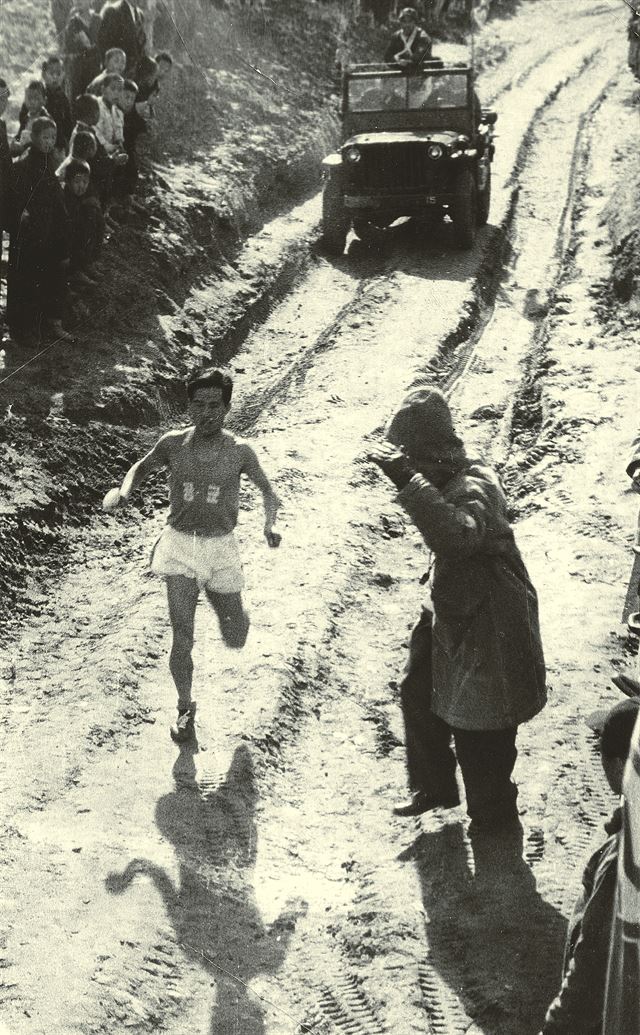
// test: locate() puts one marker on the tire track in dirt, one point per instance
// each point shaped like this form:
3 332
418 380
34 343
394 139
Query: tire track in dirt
445 1010
372 501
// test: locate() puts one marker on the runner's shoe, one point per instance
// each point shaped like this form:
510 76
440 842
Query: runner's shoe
184 727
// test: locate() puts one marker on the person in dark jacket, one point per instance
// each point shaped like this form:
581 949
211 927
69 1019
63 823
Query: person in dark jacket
57 103
409 47
123 26
39 240
578 1007
476 667
81 47
86 221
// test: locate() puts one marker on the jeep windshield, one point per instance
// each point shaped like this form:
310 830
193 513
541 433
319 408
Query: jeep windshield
390 91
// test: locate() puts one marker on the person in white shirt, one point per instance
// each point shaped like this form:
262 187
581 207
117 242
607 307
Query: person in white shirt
110 127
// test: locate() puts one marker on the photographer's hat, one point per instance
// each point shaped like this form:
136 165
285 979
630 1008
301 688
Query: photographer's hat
424 427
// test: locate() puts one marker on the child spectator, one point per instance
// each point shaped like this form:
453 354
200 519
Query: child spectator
102 166
39 240
151 73
56 101
115 62
33 108
87 112
126 179
84 146
110 127
86 229
81 47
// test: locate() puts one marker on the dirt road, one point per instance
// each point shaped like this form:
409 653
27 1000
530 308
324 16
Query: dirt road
260 884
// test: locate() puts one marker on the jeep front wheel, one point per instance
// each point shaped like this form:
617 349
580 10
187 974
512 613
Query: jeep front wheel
335 218
484 201
463 210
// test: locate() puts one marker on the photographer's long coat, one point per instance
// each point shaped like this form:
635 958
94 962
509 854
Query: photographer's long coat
488 665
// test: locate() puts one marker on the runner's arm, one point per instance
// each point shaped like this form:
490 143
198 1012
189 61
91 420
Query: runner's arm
272 503
134 477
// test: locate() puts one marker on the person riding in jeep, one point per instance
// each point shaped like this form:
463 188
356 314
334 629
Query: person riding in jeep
411 45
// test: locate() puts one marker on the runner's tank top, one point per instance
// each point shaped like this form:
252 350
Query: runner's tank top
204 482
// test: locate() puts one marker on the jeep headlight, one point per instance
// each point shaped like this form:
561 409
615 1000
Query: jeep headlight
435 151
353 154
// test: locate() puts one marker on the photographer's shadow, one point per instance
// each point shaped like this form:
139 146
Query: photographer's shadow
492 938
213 907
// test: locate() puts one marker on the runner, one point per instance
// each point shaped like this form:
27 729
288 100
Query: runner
198 550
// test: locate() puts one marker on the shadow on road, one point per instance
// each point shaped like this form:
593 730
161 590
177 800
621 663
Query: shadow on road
213 908
492 938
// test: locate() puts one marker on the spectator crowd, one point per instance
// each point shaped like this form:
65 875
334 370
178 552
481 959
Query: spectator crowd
70 170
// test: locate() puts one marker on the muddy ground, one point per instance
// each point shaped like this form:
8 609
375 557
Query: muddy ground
259 884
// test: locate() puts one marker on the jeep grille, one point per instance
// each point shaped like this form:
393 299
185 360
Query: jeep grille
397 168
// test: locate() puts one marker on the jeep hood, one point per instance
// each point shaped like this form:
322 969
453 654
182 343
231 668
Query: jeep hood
414 136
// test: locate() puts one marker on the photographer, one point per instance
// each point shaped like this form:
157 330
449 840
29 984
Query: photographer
476 668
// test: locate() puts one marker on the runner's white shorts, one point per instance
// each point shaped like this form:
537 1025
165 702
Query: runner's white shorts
213 561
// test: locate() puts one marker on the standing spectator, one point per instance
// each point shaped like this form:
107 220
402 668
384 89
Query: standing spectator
115 61
60 11
39 240
57 103
123 26
476 668
33 108
81 47
86 222
579 1006
6 167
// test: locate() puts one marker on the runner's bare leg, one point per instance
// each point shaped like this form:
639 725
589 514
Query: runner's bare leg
233 619
182 596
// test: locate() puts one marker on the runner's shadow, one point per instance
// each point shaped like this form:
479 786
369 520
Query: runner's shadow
492 938
213 907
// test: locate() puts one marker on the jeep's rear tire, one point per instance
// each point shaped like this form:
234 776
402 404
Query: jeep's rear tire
335 218
463 210
484 202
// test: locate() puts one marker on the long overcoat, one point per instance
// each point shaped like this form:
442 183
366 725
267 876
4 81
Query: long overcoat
488 664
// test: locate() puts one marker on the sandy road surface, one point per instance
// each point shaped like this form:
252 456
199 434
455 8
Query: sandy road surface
259 885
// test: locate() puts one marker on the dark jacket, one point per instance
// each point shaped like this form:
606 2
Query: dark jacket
57 104
39 218
420 48
123 26
578 1007
488 664
6 177
83 63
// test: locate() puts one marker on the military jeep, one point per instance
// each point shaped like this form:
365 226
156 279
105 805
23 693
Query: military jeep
414 144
